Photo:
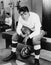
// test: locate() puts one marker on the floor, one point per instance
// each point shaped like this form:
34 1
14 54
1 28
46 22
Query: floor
5 52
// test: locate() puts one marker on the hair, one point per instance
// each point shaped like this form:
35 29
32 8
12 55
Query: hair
8 13
23 9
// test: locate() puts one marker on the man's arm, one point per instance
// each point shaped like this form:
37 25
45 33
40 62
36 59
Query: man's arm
18 29
10 21
37 28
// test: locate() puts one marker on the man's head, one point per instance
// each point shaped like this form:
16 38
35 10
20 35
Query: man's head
24 12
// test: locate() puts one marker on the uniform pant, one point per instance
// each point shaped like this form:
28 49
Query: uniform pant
35 40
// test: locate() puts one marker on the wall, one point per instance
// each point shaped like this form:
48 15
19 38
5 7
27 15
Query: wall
37 7
16 15
46 18
6 2
47 5
33 5
27 3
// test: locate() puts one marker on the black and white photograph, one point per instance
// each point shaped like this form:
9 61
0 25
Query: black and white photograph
25 32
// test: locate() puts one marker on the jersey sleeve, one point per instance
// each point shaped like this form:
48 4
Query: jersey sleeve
37 27
19 26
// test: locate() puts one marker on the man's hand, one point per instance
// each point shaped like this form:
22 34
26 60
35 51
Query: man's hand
25 39
23 35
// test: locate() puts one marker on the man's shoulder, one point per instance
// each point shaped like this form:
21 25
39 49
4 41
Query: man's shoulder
34 14
20 18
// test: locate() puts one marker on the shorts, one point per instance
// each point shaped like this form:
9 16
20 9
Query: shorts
17 38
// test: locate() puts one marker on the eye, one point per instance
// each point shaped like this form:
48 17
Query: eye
21 14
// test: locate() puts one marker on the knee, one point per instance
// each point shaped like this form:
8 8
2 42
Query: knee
37 47
14 38
14 35
36 42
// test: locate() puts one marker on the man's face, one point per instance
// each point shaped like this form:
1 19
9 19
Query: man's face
25 15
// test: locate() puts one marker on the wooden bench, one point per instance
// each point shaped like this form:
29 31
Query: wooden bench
8 37
46 46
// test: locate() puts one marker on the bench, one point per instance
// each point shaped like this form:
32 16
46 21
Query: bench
46 46
8 37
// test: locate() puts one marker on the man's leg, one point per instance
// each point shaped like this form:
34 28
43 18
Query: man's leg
37 54
37 47
12 56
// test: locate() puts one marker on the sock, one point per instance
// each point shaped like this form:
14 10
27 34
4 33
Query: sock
36 60
14 46
37 52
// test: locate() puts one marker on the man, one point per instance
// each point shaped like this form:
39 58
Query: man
8 19
32 21
8 22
